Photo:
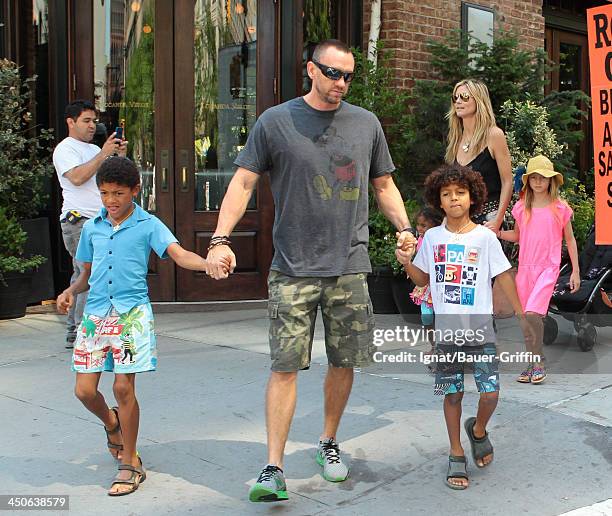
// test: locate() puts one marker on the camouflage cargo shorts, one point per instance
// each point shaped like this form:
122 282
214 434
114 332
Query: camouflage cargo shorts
347 316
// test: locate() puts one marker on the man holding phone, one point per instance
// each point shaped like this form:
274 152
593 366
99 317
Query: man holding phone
76 161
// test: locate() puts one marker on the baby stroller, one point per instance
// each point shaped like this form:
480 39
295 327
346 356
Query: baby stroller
591 305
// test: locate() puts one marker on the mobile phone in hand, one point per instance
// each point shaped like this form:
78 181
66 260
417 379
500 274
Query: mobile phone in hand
119 133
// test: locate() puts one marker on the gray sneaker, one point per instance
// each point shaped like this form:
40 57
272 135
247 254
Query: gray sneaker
70 339
270 486
328 456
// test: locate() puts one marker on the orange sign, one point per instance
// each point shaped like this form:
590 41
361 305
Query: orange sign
599 22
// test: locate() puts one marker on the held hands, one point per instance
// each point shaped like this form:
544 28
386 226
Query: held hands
64 301
574 281
220 262
492 225
406 247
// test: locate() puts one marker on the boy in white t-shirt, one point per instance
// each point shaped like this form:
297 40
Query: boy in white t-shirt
458 260
76 162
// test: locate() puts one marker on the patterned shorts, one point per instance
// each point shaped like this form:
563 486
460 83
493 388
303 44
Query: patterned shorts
450 373
123 343
347 316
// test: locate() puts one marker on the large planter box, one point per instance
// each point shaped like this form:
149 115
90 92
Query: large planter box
39 242
402 288
14 295
380 286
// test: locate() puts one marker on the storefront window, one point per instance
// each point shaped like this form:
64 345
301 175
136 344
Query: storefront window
124 80
478 21
570 66
225 93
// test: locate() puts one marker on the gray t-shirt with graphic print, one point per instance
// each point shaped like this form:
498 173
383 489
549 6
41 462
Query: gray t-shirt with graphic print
320 164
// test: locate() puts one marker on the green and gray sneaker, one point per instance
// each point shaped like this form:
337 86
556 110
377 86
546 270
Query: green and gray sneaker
328 456
270 486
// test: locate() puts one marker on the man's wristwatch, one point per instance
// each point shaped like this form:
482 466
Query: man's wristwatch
412 231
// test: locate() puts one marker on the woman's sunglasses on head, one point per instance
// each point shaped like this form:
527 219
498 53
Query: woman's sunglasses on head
333 74
463 96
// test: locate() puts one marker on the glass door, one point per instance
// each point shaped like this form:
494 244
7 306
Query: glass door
224 77
132 89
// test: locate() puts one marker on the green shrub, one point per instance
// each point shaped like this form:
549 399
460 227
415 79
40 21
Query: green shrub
528 133
583 205
12 240
24 157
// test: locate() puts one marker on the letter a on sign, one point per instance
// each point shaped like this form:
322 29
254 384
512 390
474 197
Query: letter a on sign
599 23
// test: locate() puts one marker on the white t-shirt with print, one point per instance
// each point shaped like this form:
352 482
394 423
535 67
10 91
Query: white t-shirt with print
68 154
460 269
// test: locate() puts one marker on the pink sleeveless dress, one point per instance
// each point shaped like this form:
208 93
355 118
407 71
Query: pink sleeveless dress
540 242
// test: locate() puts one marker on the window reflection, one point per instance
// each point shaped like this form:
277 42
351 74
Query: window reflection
225 88
569 67
124 80
318 20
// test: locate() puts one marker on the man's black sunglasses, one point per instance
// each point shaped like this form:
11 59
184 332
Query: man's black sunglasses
333 74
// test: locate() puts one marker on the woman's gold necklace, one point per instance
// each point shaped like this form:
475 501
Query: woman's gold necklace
466 145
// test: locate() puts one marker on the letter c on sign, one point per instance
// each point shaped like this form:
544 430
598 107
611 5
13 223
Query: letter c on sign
608 70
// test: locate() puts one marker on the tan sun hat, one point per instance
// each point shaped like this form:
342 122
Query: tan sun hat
543 166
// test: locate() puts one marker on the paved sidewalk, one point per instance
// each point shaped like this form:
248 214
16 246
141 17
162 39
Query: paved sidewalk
202 436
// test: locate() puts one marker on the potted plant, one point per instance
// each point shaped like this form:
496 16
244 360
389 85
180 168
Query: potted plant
25 168
15 268
381 248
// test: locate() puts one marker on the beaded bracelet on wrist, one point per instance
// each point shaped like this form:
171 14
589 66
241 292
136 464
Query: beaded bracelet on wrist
223 241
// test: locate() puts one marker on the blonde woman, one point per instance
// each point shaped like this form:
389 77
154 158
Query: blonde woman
475 141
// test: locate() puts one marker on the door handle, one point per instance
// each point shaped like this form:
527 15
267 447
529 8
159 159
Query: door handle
184 182
184 160
165 163
164 185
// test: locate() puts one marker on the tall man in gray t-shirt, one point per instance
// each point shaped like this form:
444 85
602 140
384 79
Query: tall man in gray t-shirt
321 153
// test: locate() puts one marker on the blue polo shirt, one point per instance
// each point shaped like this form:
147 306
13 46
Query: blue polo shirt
120 259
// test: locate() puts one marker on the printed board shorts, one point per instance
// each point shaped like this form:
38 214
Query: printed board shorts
450 374
347 315
123 343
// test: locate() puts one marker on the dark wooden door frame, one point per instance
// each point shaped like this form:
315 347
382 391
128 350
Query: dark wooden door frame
194 229
80 50
554 38
80 73
163 288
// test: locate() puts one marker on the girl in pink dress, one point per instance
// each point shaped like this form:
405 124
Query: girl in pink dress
426 219
542 222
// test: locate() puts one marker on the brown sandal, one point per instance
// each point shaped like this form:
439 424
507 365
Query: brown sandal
136 478
113 431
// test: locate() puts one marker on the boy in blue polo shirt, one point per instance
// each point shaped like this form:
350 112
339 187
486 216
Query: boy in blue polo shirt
116 333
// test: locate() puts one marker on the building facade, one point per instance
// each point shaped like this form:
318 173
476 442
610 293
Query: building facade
188 78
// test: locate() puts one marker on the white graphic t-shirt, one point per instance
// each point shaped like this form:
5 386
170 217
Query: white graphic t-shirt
460 269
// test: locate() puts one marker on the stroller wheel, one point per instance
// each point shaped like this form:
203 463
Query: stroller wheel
587 337
551 330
